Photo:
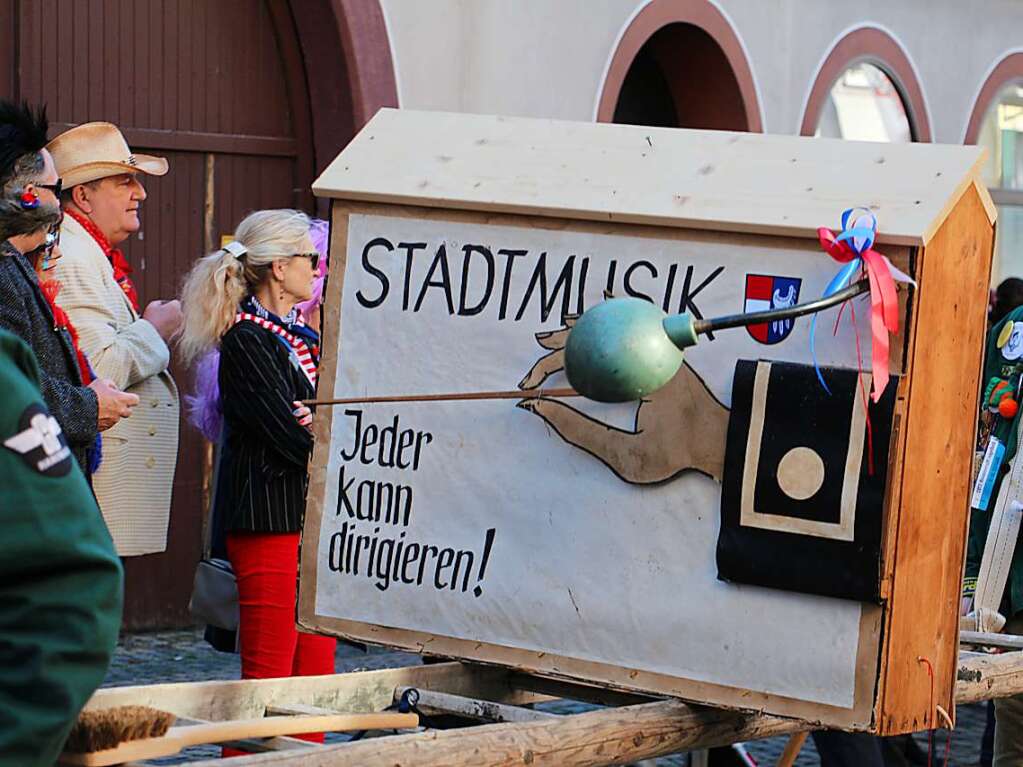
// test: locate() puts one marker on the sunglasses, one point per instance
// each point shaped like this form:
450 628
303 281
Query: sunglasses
55 188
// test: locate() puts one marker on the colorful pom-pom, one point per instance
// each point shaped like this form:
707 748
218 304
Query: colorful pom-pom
1008 408
998 389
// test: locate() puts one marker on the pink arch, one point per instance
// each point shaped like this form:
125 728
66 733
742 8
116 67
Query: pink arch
699 13
1008 69
876 47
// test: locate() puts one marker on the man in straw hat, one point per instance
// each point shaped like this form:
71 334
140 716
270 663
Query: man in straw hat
102 195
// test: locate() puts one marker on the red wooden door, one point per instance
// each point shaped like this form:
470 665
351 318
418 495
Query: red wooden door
218 88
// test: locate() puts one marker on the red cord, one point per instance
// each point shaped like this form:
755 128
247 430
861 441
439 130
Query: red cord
931 709
863 391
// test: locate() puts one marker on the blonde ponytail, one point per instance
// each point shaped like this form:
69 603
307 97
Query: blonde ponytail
218 282
209 300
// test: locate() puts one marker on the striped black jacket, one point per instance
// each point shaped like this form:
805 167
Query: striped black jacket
262 479
25 313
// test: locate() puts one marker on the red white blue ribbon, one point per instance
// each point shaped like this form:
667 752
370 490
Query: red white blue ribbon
853 247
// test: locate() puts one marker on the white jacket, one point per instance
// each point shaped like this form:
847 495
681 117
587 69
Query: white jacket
133 484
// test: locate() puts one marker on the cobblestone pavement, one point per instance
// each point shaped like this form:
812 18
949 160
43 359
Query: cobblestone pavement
182 656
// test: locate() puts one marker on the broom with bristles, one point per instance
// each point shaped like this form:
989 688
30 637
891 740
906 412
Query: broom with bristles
127 733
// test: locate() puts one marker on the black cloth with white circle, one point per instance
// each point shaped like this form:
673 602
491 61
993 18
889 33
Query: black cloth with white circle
801 509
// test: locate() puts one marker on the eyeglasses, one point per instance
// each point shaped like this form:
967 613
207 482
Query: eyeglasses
314 258
55 188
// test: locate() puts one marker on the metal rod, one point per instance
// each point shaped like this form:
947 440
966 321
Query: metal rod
788 312
512 394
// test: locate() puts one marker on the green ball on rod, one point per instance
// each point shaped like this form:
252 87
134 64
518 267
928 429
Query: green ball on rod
626 348
622 350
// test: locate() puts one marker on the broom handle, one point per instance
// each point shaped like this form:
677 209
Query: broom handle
512 394
274 726
178 738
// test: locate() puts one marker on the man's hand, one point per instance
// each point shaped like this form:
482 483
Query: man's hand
114 404
165 316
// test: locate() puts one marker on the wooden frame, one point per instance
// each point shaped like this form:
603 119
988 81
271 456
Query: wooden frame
943 240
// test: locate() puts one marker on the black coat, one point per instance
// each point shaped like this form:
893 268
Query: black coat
262 478
25 313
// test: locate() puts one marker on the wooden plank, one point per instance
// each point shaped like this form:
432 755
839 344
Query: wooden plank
556 688
716 180
939 427
356 692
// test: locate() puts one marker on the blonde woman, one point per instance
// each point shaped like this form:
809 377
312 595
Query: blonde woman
242 299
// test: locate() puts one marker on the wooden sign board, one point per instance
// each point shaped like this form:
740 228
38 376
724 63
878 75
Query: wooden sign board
592 541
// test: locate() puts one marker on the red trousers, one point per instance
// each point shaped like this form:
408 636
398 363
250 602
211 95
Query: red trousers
266 568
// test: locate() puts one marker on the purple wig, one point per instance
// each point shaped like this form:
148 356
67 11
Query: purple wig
319 231
203 407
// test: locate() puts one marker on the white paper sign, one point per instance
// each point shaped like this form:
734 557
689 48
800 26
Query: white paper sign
476 520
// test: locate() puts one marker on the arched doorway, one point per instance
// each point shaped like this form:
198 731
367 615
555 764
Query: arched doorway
680 64
222 89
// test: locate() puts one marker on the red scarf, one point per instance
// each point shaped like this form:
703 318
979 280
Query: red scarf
50 289
122 269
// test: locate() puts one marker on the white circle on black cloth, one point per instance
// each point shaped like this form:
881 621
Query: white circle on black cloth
800 473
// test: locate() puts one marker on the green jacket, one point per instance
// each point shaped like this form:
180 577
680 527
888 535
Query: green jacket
60 579
996 365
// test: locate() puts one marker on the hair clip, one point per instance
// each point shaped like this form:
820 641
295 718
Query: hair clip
29 200
235 248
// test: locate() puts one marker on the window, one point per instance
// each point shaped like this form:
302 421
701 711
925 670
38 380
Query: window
1002 134
864 105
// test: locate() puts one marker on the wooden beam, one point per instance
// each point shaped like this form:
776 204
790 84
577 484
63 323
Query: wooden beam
984 677
984 639
595 738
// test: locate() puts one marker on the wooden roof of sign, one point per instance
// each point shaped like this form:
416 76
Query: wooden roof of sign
717 180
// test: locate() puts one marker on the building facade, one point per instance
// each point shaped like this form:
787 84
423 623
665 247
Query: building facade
250 99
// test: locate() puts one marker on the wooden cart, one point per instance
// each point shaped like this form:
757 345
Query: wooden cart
624 729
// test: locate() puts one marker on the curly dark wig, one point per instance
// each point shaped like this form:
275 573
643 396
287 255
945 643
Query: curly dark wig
22 134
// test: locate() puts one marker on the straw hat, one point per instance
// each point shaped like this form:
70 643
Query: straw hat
93 151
